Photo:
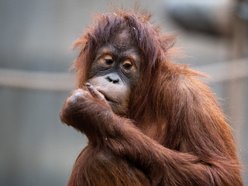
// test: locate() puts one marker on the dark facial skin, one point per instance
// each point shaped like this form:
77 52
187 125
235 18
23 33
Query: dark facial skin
115 71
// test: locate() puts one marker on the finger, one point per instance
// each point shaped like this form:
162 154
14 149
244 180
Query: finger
79 93
94 92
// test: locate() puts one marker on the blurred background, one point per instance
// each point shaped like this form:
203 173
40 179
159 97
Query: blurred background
35 55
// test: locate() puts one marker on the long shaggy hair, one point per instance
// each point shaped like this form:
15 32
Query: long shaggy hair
169 104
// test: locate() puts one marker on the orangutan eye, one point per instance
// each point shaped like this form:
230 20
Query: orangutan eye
109 61
127 65
106 60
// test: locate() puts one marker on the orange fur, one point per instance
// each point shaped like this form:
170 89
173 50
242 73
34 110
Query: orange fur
174 133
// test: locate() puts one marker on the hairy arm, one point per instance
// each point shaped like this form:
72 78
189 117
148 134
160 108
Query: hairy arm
89 113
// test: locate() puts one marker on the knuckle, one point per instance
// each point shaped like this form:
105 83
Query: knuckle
77 95
78 92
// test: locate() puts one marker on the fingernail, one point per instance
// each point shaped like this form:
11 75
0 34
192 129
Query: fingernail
88 84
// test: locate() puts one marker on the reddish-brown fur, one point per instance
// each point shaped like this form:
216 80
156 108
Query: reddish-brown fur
174 132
